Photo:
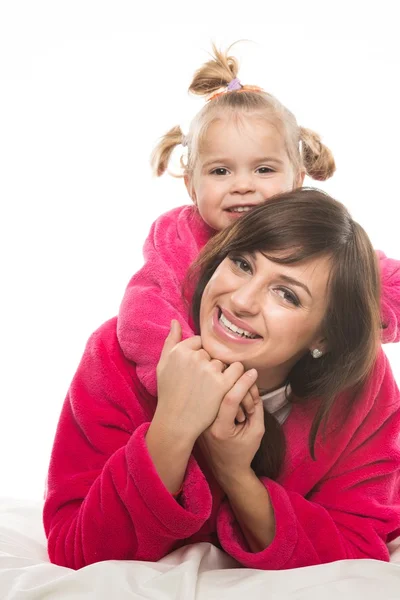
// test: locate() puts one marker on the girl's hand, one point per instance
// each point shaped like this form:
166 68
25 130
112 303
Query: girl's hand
191 385
230 446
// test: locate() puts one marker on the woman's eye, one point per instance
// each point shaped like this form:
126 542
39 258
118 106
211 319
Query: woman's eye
288 296
265 170
241 264
219 171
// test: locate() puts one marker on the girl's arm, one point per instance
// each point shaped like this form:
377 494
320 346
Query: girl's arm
390 298
154 295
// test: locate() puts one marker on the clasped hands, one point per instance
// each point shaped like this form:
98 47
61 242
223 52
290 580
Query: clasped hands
201 399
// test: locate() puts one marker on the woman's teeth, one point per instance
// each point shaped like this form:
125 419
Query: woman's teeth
240 209
242 332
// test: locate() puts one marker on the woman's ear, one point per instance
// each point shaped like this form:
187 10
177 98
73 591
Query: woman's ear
190 188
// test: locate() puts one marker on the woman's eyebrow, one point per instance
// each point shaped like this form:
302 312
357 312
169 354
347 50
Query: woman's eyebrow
292 281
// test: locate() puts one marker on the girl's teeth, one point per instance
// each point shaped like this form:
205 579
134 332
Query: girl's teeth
235 329
240 209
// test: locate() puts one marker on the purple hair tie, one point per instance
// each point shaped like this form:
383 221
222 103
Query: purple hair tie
234 85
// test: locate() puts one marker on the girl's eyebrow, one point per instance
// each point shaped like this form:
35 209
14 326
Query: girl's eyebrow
215 161
263 159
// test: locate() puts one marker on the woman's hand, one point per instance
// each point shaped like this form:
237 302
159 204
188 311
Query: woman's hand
230 446
191 385
247 406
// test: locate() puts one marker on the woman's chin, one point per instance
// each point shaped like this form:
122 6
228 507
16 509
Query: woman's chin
219 351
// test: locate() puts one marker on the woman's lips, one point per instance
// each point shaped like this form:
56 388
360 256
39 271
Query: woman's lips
238 322
223 333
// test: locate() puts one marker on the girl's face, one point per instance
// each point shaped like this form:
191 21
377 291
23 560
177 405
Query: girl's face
263 314
242 163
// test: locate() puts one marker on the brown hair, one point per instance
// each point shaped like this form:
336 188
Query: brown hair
304 147
301 225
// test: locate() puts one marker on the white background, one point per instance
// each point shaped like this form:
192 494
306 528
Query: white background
86 88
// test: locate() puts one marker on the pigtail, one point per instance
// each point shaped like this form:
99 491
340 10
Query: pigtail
214 74
162 152
317 159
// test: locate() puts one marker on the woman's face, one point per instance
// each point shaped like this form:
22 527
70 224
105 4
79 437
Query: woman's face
263 314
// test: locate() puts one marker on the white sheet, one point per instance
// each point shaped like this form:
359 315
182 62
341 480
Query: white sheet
197 572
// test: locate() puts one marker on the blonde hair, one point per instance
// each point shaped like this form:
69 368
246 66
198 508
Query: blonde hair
304 147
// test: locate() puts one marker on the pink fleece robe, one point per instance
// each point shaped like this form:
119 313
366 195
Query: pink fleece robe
105 499
154 294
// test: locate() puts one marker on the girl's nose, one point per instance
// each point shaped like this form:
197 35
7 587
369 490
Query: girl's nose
243 184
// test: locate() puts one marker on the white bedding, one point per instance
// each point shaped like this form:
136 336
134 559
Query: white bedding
197 572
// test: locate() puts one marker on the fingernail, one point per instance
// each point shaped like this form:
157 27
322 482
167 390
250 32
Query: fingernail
252 372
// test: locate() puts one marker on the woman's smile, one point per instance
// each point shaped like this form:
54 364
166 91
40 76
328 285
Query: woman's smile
231 329
263 314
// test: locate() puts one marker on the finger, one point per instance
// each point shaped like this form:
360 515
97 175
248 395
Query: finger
240 416
218 364
174 337
232 400
257 418
232 374
255 394
192 343
203 354
248 403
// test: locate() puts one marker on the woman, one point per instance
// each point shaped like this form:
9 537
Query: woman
287 307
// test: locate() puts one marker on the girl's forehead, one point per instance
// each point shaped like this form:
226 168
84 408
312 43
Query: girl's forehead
225 132
244 121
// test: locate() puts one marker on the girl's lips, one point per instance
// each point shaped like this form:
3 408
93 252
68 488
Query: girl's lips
226 335
235 215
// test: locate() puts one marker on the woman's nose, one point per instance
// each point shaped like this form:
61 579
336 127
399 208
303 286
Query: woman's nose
246 299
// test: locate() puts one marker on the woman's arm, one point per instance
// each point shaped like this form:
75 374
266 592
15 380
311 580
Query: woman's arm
105 499
349 513
252 507
170 453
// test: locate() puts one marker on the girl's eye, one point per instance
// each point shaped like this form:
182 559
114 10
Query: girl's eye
241 264
288 296
219 171
265 170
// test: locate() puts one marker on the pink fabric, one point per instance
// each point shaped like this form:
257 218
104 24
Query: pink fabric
390 301
154 295
105 499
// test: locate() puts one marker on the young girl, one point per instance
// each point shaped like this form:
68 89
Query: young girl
243 147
